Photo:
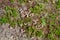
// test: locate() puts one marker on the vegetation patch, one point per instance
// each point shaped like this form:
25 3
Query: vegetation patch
36 24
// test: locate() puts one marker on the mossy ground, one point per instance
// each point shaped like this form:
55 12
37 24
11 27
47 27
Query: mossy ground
38 18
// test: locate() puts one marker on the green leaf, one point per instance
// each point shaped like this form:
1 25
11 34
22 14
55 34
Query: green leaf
37 8
51 28
41 6
30 28
58 4
49 35
46 0
7 7
20 1
14 12
12 23
27 20
52 22
11 1
20 21
33 10
57 30
39 33
52 38
43 21
3 19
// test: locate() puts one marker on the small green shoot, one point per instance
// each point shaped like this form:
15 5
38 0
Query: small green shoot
49 35
20 1
52 22
11 1
39 33
57 31
30 28
14 13
3 19
37 7
46 0
41 6
33 10
7 7
27 20
53 38
19 21
12 23
43 21
58 4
